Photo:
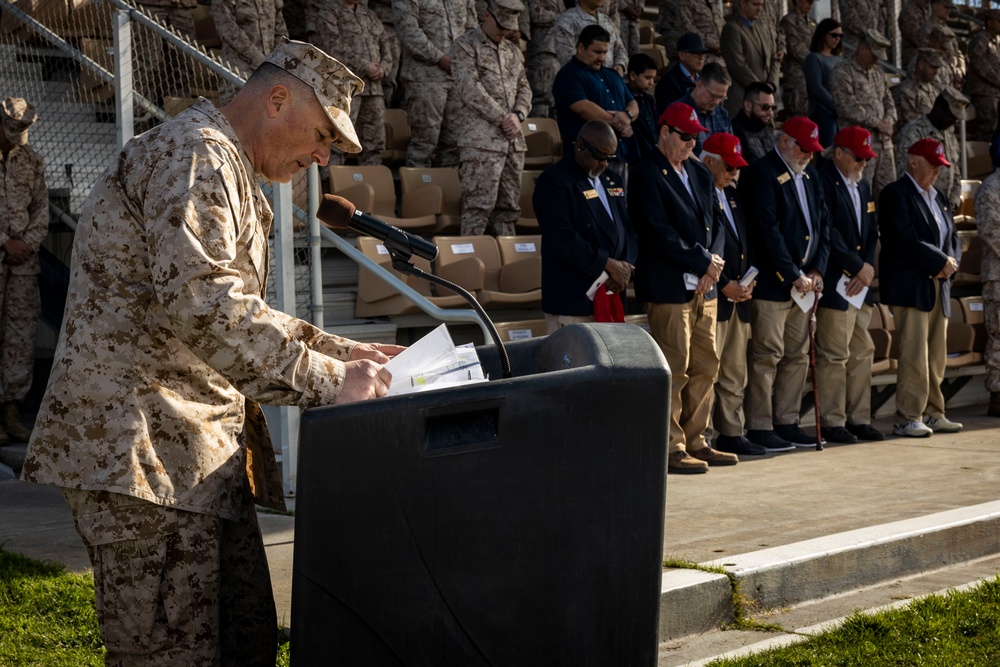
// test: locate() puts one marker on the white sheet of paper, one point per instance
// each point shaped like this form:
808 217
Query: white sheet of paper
691 281
433 362
857 300
749 276
804 300
601 279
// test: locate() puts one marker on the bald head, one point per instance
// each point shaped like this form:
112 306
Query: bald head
597 131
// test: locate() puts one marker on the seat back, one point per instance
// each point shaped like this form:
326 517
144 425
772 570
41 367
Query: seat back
520 330
347 180
548 126
412 179
397 123
452 249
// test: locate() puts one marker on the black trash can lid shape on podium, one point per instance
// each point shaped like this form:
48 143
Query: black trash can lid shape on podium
513 522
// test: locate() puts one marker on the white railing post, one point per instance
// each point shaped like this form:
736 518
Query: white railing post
124 119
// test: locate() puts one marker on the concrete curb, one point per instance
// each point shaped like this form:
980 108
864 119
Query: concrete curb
818 568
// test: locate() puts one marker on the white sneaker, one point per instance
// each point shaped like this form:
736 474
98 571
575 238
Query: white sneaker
914 429
942 425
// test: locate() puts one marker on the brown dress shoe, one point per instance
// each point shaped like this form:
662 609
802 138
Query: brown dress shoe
714 457
681 463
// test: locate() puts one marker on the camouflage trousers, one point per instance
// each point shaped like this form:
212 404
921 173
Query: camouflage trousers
390 83
630 35
175 587
425 109
491 191
541 67
986 117
20 308
991 316
368 116
882 170
794 96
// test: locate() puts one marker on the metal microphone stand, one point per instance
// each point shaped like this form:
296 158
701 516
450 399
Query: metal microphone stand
400 254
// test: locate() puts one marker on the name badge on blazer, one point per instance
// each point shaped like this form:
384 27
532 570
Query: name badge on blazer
871 207
616 192
590 194
784 178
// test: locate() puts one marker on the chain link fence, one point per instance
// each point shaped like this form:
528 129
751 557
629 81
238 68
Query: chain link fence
59 55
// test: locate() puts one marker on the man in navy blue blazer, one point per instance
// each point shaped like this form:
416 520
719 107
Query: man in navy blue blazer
844 348
789 226
681 241
585 227
920 253
722 153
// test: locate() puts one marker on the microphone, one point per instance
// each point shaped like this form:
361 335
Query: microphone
339 213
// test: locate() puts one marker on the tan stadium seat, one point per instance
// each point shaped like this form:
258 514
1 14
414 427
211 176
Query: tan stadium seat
972 257
371 190
885 315
545 145
961 340
377 299
978 159
969 189
520 330
397 136
971 310
474 263
658 54
647 35
882 340
416 183
521 261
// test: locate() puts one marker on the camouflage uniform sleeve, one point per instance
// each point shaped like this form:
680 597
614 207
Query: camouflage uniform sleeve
564 40
474 95
38 208
796 40
232 35
471 15
523 99
906 137
413 39
848 98
987 208
984 57
888 105
280 27
192 212
385 59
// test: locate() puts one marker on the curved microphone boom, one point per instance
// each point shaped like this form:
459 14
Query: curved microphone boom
339 213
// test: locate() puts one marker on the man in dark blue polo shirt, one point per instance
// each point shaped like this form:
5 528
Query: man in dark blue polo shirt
584 89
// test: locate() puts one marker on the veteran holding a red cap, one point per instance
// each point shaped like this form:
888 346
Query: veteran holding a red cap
789 225
844 348
920 253
674 209
150 424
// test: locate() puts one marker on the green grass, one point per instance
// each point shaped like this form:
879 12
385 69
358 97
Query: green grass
960 629
47 616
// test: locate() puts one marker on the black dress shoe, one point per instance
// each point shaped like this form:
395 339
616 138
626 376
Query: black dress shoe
739 445
770 441
865 432
795 435
839 434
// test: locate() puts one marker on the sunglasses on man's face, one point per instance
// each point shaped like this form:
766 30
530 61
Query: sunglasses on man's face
765 107
684 135
594 153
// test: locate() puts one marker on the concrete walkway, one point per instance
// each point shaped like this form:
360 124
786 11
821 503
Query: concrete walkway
725 516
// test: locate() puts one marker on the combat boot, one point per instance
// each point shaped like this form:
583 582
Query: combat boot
994 409
10 419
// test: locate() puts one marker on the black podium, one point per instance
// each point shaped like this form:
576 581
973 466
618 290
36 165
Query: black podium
513 522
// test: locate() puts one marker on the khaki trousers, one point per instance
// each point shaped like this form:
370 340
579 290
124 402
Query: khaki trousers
731 337
923 352
685 333
844 353
779 363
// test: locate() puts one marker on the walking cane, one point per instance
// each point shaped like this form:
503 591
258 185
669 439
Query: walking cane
812 360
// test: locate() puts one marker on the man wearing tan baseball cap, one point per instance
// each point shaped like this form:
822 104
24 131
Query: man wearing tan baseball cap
150 424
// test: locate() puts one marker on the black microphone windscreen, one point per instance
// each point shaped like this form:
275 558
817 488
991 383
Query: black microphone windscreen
335 212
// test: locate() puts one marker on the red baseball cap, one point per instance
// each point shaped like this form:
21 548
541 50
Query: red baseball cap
682 117
804 131
930 150
726 146
856 139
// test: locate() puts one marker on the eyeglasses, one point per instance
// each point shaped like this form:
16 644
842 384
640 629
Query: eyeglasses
836 35
765 107
730 168
684 135
594 153
859 159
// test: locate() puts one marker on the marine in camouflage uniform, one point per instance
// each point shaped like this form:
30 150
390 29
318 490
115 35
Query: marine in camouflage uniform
426 30
24 222
630 11
495 97
912 15
571 23
938 124
798 30
541 63
987 208
857 17
249 30
861 97
354 35
983 82
915 95
390 84
149 422
936 34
